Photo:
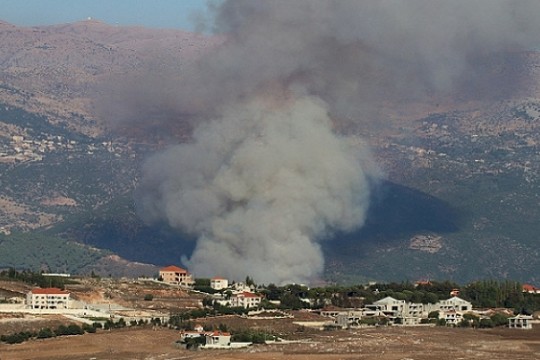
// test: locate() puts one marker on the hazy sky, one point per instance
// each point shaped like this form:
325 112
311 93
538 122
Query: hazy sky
150 13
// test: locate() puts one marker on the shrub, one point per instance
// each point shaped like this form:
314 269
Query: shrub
61 330
486 323
97 325
45 333
74 329
89 328
499 320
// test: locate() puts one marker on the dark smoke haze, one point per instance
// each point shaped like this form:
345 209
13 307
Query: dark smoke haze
265 176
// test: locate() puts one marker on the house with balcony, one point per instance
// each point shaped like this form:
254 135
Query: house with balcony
48 298
454 303
175 275
246 300
404 313
520 322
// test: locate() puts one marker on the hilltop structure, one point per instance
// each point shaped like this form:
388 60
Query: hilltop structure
175 275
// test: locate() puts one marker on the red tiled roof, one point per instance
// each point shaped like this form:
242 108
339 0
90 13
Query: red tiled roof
172 268
49 291
219 333
250 295
528 287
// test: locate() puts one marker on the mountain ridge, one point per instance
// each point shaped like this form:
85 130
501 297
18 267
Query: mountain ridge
449 164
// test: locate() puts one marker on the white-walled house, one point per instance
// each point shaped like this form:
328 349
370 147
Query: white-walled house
218 283
47 298
402 312
451 317
454 303
240 287
520 322
217 339
391 307
389 304
246 300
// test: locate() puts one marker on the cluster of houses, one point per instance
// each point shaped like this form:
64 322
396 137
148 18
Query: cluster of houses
241 295
401 312
393 311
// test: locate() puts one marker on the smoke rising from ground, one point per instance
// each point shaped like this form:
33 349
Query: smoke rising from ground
265 177
259 186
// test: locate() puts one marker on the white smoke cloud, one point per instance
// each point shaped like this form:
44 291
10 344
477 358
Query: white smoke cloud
260 186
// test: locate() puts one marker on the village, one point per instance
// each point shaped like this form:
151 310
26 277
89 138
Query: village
191 307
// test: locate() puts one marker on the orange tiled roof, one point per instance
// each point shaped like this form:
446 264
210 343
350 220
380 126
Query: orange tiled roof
528 287
219 333
49 291
250 295
172 268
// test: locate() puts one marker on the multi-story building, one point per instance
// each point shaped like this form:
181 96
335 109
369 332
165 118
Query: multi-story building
219 283
454 303
48 298
175 275
246 300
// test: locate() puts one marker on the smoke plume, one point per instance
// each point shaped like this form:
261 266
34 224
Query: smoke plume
265 176
260 186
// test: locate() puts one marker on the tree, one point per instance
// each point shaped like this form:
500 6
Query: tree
486 323
89 328
289 301
45 333
74 329
202 282
120 323
249 281
471 319
499 319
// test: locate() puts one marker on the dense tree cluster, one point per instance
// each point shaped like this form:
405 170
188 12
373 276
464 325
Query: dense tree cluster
482 294
34 278
44 333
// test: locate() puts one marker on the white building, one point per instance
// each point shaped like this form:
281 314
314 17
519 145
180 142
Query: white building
48 298
520 322
451 317
454 303
219 283
246 300
349 318
389 304
400 311
217 339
